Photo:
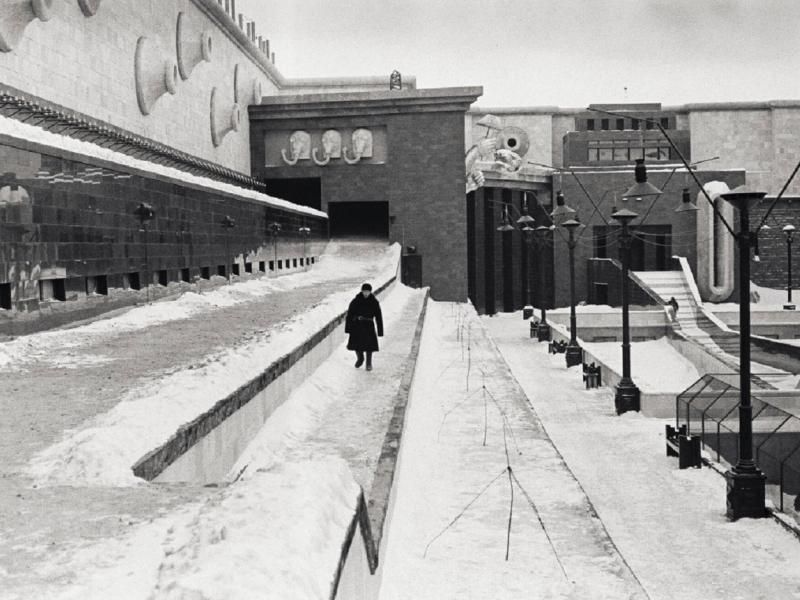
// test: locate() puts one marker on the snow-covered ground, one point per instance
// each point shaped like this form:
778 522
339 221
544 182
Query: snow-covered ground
768 299
669 524
103 450
453 523
277 531
656 366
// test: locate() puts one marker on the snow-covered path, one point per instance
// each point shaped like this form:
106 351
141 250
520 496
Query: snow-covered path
669 524
446 538
275 533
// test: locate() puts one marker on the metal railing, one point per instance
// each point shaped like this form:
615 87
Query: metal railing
708 408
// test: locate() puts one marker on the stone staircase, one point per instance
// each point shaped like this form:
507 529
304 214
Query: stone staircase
691 319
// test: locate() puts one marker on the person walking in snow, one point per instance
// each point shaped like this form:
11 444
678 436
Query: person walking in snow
363 315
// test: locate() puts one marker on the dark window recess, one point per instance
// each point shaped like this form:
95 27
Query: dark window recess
600 293
294 263
302 261
59 290
235 268
362 219
185 275
102 284
306 191
52 289
604 124
205 272
248 267
134 281
649 124
280 264
162 277
635 124
272 265
262 266
665 122
5 296
620 124
221 271
313 260
589 124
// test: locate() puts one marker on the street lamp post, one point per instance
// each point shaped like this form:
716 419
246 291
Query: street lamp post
626 396
789 231
305 232
274 230
745 482
574 353
526 222
227 224
543 330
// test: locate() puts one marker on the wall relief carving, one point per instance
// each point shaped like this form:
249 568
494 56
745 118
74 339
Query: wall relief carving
361 145
501 149
194 45
16 15
299 148
155 74
224 118
331 147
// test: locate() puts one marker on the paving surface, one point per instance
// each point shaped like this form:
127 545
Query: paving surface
670 525
62 378
456 530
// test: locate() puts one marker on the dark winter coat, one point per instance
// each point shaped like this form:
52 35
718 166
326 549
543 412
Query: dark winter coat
363 315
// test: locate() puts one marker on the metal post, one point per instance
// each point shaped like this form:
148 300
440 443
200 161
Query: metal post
789 268
745 482
146 265
627 395
573 353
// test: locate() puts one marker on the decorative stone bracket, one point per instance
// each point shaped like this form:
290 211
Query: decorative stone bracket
155 75
193 46
223 119
16 15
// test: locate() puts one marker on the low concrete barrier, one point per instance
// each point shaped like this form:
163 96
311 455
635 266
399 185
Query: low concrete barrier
203 450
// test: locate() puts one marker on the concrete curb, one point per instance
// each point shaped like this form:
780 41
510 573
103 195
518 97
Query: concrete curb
157 460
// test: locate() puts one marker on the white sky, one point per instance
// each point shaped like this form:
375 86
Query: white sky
547 52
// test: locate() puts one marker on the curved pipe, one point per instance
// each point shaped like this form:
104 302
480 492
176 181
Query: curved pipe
319 162
350 161
715 256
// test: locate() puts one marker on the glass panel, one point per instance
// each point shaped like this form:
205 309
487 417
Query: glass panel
606 154
636 153
592 154
651 153
620 154
663 153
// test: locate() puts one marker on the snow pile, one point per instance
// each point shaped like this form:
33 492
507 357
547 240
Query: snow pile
30 133
104 450
53 346
768 299
277 535
656 366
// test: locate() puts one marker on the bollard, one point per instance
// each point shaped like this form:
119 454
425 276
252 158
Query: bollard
533 330
527 312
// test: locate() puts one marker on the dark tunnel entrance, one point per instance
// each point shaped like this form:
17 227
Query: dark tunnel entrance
359 219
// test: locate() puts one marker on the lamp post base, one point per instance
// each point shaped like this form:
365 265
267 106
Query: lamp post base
745 494
543 332
789 307
626 396
527 312
574 355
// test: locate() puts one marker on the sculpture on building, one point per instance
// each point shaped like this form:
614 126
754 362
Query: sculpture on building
501 149
362 146
331 148
300 144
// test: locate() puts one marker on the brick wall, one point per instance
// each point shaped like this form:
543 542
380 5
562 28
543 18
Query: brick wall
75 222
771 270
422 179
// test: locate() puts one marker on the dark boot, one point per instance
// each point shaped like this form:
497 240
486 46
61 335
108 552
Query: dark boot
369 361
360 360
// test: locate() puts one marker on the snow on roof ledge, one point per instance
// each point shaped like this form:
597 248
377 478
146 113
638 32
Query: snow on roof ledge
12 128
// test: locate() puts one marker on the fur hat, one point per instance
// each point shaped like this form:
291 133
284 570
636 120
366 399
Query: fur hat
366 287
